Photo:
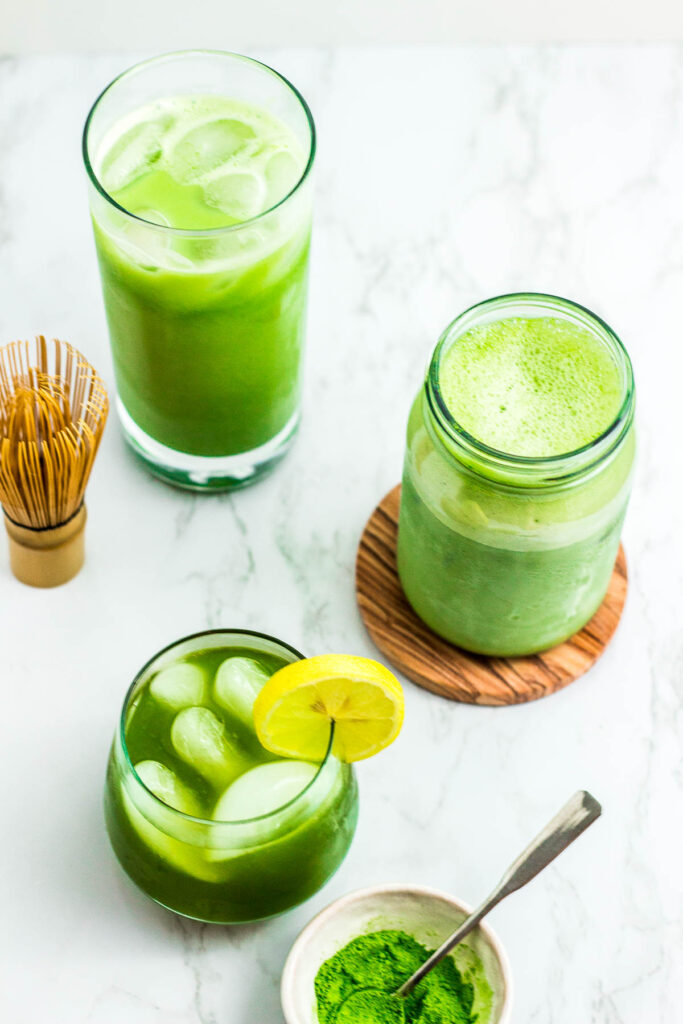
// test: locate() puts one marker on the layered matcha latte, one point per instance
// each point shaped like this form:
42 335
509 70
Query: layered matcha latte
201 206
517 474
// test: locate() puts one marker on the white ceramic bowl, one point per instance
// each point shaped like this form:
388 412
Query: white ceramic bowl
428 915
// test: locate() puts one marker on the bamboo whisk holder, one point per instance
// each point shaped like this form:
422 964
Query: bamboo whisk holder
50 556
53 407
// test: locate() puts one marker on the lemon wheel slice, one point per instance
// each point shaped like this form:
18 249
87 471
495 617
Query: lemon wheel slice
293 711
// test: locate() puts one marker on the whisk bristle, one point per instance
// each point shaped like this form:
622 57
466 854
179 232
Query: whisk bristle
53 408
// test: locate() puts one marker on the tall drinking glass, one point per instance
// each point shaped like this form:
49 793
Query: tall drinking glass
199 166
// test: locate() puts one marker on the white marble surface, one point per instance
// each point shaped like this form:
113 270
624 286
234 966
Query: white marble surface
444 176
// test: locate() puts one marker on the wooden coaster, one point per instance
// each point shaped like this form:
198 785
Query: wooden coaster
448 670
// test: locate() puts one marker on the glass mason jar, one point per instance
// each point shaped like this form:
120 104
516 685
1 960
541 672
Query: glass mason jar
214 870
206 326
502 554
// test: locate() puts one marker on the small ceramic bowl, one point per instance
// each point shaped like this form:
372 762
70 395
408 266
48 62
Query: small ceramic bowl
428 915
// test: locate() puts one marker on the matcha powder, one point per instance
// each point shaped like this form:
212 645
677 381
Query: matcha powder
383 960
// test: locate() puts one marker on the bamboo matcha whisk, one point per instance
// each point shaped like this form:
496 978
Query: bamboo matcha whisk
53 407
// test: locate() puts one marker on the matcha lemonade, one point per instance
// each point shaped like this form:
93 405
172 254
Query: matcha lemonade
201 816
517 475
201 207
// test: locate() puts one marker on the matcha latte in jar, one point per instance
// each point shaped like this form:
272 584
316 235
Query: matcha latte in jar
517 473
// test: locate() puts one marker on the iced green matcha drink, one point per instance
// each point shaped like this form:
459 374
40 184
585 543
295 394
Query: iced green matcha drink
201 816
517 475
199 167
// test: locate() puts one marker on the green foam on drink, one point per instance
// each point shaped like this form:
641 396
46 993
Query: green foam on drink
533 387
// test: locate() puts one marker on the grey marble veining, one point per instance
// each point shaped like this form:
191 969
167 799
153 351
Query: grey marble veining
444 176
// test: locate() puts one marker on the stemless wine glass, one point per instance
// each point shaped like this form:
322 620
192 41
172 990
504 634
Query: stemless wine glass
165 820
206 322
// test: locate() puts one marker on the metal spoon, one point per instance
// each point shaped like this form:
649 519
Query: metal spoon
576 815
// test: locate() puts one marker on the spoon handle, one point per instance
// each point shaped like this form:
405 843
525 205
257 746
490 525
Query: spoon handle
576 815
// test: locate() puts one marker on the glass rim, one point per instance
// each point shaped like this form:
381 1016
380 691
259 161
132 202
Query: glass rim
174 810
599 447
169 57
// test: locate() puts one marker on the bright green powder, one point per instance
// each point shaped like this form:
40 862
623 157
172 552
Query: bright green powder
370 1006
384 960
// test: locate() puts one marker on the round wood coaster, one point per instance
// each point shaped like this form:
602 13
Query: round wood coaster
448 670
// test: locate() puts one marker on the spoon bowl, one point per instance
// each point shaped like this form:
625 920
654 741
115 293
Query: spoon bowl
427 914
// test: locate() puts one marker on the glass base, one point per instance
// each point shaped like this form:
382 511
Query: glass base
206 473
